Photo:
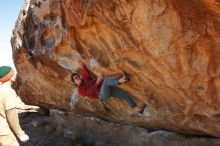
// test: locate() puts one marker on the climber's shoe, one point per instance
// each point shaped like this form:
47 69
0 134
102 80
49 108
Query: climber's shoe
126 76
106 109
141 111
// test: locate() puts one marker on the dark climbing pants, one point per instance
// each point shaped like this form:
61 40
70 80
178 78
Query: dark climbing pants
109 89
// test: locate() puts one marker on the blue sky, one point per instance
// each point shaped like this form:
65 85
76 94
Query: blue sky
9 11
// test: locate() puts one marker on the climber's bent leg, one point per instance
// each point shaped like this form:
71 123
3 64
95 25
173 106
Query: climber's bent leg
119 93
105 88
110 81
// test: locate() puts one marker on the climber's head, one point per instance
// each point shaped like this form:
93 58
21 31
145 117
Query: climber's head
76 79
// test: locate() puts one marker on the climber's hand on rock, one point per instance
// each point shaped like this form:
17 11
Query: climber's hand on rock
82 60
24 138
85 60
99 79
79 58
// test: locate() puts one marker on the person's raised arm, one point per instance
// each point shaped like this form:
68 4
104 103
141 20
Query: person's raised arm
85 71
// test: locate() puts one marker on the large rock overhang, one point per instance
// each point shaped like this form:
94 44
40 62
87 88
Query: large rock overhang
170 48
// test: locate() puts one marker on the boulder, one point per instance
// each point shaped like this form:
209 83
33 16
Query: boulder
170 48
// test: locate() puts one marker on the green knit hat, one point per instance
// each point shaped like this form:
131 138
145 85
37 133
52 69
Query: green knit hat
6 73
4 70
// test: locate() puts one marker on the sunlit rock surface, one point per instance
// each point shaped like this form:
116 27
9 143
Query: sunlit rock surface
171 49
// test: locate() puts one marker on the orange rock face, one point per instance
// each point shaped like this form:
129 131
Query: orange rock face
170 48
